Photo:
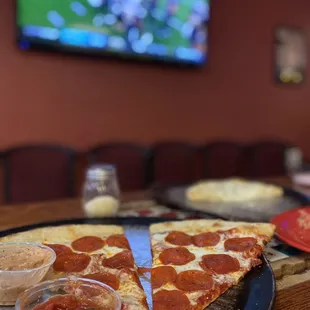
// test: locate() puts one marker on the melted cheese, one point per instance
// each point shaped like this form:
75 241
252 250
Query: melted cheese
232 190
159 243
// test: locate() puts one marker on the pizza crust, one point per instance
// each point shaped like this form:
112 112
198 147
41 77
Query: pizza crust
63 234
197 226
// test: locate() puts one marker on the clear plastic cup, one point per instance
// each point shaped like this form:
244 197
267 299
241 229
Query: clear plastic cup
96 292
14 281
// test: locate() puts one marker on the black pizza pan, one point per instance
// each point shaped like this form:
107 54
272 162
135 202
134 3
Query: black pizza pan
255 292
253 211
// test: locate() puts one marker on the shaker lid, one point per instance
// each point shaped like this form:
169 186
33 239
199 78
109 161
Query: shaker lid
99 171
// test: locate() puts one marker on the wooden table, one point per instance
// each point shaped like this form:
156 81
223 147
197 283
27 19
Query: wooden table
292 274
26 214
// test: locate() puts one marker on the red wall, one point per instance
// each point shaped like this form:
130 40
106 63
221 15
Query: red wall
80 102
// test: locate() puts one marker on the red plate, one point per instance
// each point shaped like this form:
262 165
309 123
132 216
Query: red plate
291 231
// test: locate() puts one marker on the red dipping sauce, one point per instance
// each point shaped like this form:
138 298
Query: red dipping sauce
70 302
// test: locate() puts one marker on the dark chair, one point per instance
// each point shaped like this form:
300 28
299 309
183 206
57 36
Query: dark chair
223 160
174 163
38 172
131 161
267 158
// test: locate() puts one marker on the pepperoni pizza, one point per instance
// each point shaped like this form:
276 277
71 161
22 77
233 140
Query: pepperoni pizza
98 252
196 261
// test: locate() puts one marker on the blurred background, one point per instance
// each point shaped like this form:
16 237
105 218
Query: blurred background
80 102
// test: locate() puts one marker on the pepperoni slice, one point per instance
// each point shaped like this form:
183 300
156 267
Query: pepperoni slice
59 248
240 244
163 275
71 262
206 239
194 280
119 241
179 238
168 300
87 244
104 277
142 270
171 215
176 256
121 260
144 212
219 263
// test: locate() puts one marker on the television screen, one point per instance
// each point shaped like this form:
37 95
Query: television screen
169 30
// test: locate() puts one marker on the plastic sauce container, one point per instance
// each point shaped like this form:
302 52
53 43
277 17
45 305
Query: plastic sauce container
73 292
22 265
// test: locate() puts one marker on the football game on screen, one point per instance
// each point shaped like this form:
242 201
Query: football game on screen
169 29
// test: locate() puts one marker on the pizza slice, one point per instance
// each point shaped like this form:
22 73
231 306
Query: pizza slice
196 261
98 252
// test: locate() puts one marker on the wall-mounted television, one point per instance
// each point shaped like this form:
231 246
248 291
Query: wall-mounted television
168 30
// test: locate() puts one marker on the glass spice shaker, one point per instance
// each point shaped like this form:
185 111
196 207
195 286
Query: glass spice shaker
101 194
